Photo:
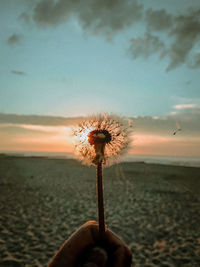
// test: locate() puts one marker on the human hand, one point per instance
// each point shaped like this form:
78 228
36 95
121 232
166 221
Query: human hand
85 249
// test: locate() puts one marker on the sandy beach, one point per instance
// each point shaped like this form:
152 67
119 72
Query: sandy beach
154 208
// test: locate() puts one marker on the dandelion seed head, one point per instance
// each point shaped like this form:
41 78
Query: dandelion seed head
102 138
99 136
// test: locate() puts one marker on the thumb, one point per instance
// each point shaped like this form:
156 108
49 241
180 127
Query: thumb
95 257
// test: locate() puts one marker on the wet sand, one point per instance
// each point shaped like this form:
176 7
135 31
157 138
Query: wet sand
155 209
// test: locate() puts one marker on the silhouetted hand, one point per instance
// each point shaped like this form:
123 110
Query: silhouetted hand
85 249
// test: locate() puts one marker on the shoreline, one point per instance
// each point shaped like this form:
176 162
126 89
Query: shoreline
147 159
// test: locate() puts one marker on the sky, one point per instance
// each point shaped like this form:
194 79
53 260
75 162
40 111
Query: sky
66 59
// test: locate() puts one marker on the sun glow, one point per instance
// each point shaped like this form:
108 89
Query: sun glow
84 134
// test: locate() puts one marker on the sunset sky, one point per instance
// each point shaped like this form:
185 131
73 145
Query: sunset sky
65 59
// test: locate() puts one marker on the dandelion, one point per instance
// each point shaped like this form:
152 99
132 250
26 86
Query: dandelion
101 140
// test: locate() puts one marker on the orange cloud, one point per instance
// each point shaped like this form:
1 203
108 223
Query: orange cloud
166 145
152 135
35 138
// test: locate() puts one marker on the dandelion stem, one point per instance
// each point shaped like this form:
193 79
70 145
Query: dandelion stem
100 201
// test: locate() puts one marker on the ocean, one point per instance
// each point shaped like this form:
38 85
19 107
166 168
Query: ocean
189 161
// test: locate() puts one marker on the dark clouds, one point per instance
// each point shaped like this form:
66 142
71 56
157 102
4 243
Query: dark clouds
37 120
158 20
174 37
186 33
14 39
180 37
16 72
146 46
100 16
188 118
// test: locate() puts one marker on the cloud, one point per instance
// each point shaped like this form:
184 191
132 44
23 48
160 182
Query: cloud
170 36
167 146
196 61
37 120
189 121
184 106
16 72
19 137
186 34
14 128
100 16
152 135
186 111
181 32
24 17
188 116
146 46
14 39
158 20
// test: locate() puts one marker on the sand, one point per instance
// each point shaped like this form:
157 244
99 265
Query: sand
155 209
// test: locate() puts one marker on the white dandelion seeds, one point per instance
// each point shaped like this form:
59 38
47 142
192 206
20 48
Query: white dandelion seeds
111 131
